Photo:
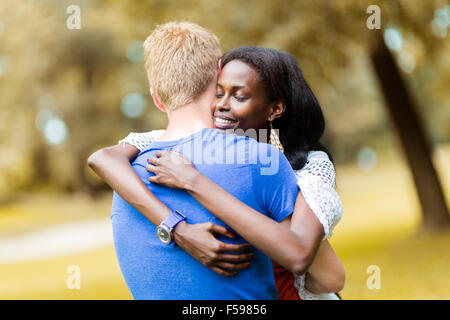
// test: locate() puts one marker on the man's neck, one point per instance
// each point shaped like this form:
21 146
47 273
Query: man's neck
186 120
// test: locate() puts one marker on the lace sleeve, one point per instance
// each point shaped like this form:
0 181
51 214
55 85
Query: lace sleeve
142 140
304 294
316 181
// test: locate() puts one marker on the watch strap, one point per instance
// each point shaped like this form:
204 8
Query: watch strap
175 218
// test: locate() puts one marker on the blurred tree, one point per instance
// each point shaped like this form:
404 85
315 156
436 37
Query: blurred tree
86 73
311 31
413 138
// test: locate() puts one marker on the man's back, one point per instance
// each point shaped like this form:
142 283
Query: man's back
153 270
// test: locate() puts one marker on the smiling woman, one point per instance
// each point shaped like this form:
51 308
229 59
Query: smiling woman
264 88
258 86
241 100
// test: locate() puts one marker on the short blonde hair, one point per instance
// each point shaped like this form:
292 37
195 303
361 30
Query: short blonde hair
181 60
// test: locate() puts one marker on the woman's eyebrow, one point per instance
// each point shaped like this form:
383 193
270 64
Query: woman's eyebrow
233 87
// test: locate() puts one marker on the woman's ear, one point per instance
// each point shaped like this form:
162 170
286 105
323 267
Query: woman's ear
277 110
158 104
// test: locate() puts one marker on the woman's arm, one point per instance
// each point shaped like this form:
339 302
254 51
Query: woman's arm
326 274
112 164
297 240
291 248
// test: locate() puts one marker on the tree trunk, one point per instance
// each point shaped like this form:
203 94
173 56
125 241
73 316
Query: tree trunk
417 150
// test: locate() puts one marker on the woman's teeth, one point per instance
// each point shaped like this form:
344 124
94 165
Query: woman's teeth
224 121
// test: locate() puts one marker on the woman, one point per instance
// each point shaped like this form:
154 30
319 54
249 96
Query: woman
258 87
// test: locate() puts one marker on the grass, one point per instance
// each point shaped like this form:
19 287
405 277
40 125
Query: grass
33 211
379 227
415 267
47 279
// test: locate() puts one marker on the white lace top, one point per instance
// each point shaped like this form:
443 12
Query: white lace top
316 181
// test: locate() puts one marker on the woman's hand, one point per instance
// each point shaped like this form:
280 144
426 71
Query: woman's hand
223 258
171 169
174 170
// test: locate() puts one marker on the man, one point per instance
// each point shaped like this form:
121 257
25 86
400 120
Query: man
181 62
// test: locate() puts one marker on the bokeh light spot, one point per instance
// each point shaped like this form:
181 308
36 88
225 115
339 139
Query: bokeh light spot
393 39
441 17
406 61
55 131
135 51
367 159
41 119
438 30
133 105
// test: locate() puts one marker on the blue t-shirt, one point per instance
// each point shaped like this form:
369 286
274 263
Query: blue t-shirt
256 173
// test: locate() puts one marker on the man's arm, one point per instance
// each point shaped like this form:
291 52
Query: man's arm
112 164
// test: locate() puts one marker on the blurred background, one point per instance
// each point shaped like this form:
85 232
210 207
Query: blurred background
67 90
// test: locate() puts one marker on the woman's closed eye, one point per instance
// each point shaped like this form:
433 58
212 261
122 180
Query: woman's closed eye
240 99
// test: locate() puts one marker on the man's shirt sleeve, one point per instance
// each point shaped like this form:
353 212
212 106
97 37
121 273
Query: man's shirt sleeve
274 181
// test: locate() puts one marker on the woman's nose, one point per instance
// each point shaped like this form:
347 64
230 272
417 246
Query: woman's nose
223 104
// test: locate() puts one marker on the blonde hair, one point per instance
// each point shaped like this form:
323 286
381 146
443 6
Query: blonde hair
181 60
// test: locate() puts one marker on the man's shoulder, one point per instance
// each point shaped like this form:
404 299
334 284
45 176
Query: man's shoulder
141 158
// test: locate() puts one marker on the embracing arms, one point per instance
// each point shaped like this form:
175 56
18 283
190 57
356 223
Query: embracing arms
112 164
293 244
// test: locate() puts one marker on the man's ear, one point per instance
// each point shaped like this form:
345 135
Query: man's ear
156 101
277 110
218 69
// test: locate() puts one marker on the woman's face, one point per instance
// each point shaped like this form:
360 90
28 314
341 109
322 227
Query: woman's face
240 100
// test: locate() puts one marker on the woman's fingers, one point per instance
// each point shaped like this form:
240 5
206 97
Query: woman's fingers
168 158
232 266
223 272
154 161
151 168
227 247
165 153
215 228
154 179
235 258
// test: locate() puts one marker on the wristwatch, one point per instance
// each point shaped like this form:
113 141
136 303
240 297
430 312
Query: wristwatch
164 230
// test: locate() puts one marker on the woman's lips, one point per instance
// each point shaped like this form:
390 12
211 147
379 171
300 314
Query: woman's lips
223 123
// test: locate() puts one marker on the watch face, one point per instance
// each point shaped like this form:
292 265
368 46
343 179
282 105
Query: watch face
163 234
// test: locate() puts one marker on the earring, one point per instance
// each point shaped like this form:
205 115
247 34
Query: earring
274 139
